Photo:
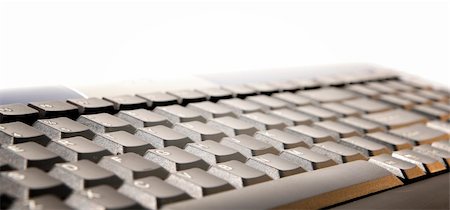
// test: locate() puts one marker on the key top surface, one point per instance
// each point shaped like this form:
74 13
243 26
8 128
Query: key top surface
18 132
177 114
158 99
211 110
267 102
396 118
232 126
42 202
443 145
341 130
329 94
240 106
291 117
420 134
432 112
306 158
317 112
213 152
174 159
239 91
215 94
188 96
126 102
248 146
363 90
364 126
121 142
263 121
63 127
309 134
292 99
341 109
18 112
397 101
400 168
28 154
104 123
393 142
52 109
280 140
77 148
339 153
424 162
140 118
442 156
366 147
367 105
263 88
92 105
274 166
198 131
238 174
161 136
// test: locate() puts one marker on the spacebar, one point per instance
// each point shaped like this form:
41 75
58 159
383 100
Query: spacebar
310 190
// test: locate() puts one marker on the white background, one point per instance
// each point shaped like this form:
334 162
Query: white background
69 41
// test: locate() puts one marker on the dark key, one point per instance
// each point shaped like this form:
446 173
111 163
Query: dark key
380 87
188 96
177 114
432 112
307 159
420 134
232 126
443 145
396 118
84 174
292 99
101 197
211 110
77 148
317 113
240 106
161 136
63 127
393 142
158 99
213 152
248 146
198 131
126 102
239 91
367 105
42 202
424 162
29 154
280 140
18 112
442 156
274 166
310 135
363 90
339 129
433 95
339 153
415 98
364 126
291 117
18 132
329 94
341 109
174 159
263 88
152 192
104 123
364 146
92 105
52 109
140 118
306 84
397 101
399 86
215 94
263 121
30 183
121 142
238 174
267 102
399 168
131 166
329 186
285 86
197 183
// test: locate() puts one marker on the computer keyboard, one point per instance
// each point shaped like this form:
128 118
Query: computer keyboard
297 144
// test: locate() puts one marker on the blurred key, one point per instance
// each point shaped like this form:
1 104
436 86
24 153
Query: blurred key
126 102
443 145
432 112
306 84
364 126
399 86
363 90
104 123
188 96
267 102
442 106
310 135
420 134
248 146
29 154
339 153
380 87
101 197
232 126
291 117
367 105
41 203
158 99
32 182
263 121
339 129
177 114
317 113
211 110
442 156
274 166
215 94
18 112
131 166
240 106
152 192
140 118
51 109
77 148
285 86
238 174
84 174
280 140
120 142
197 183
439 125
62 127
400 168
213 152
161 136
364 146
18 132
397 101
174 159
263 88
433 95
239 91
92 105
292 99
393 142
396 118
307 159
341 109
198 131
415 98
426 163
328 94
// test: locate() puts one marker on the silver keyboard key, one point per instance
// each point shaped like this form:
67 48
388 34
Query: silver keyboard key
424 162
274 166
280 140
307 159
211 110
248 146
232 126
337 152
240 106
198 131
366 147
263 121
310 135
238 174
399 168
291 117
